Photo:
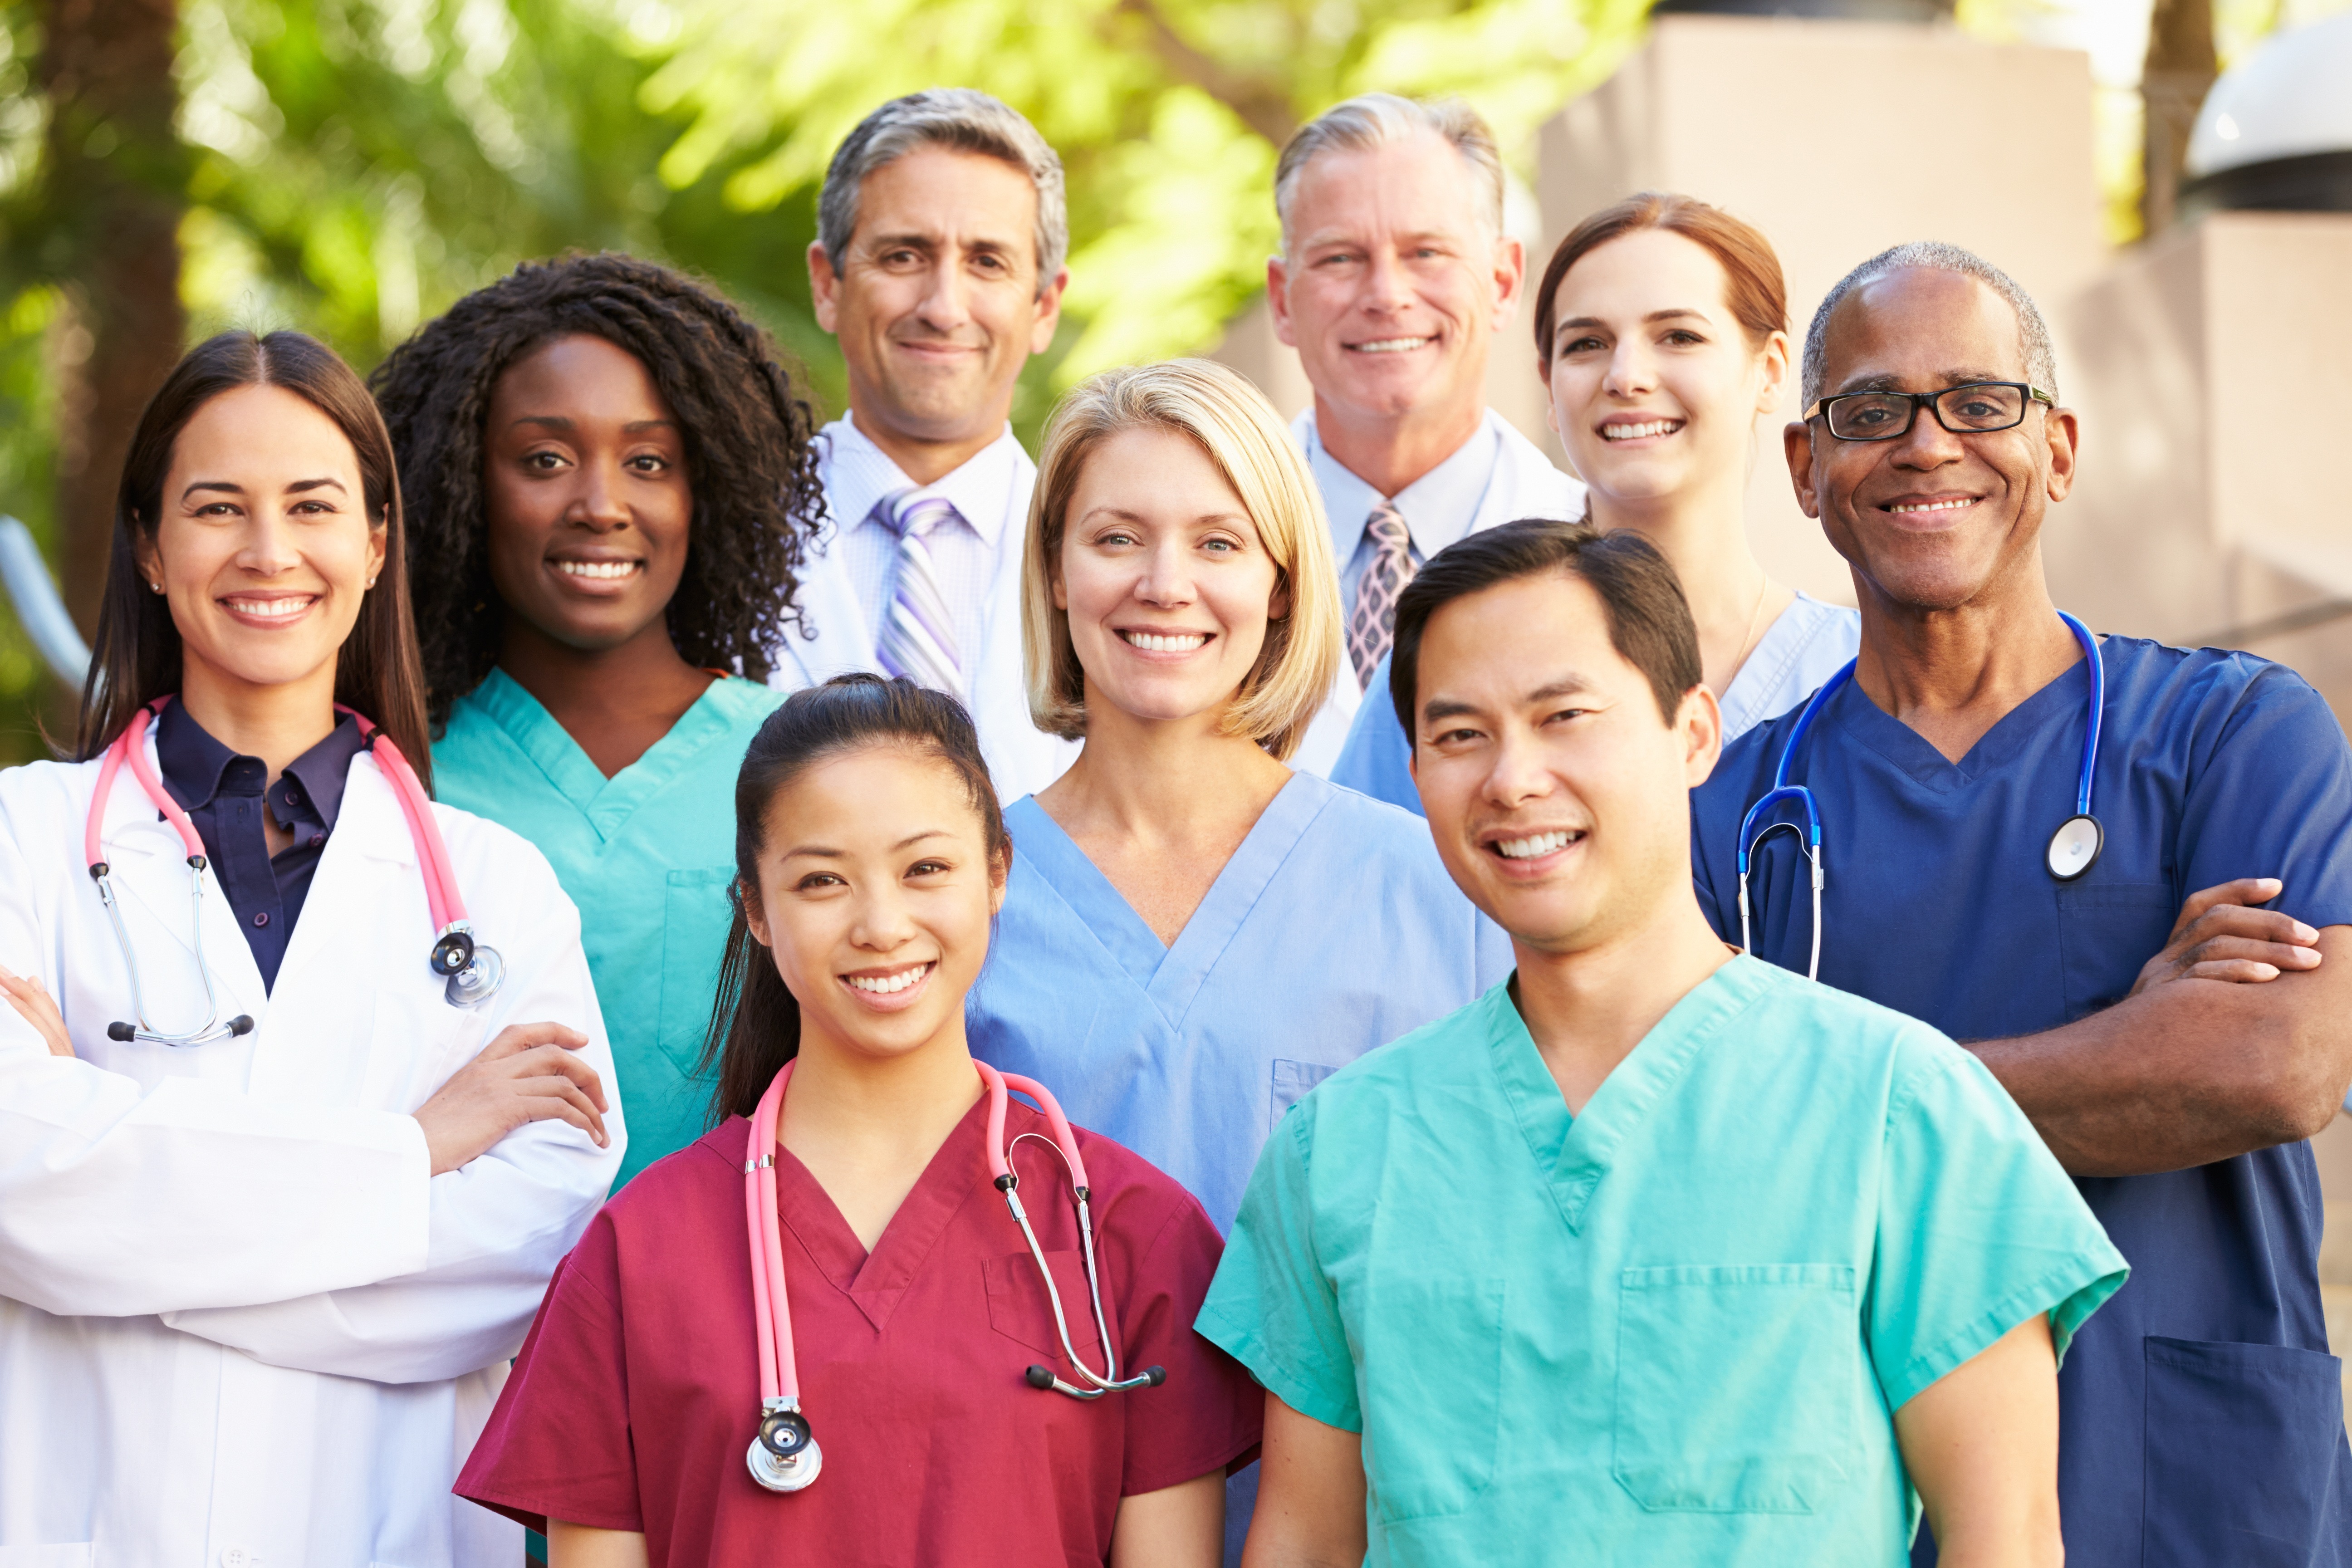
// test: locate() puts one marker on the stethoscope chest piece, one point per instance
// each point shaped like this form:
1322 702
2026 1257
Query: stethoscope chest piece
479 981
784 1457
2076 846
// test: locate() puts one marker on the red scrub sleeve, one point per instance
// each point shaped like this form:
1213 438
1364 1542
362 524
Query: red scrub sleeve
1209 1413
557 1445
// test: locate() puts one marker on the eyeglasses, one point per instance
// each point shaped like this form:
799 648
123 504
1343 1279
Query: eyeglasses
1968 410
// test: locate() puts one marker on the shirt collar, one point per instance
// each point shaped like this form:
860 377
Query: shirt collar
859 474
193 762
1438 508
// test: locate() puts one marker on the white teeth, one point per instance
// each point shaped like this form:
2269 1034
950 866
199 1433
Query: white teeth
270 609
889 984
1955 504
601 570
1636 432
1529 848
1392 345
1181 642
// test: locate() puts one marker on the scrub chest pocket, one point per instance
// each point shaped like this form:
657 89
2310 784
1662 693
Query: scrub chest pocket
695 916
1738 1389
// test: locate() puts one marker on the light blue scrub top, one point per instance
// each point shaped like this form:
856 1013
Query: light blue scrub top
647 854
1805 644
1333 929
1670 1331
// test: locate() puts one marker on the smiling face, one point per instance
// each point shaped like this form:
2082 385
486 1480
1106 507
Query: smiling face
263 546
585 484
1932 519
1393 282
1168 587
1557 796
937 303
1654 384
876 892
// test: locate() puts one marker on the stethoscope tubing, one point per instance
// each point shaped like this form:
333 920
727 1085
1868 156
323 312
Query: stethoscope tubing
441 894
1809 836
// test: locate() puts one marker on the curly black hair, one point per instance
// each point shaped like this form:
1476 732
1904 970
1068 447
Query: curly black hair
746 427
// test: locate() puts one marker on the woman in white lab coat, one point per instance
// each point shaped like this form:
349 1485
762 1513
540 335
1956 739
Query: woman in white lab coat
284 1167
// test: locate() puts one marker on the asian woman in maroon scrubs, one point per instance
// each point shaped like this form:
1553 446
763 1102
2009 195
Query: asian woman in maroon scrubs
871 859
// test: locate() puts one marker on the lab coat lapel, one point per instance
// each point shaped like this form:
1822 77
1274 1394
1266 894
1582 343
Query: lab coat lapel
356 889
150 871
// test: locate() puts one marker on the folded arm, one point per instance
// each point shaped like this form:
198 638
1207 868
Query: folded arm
2237 1036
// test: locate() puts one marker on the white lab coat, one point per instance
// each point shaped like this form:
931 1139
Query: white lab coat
240 1321
1022 758
1524 484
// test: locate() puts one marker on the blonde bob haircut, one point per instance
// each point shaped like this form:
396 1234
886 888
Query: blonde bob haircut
1230 420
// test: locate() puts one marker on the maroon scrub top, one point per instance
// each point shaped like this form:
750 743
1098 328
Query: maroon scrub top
637 1390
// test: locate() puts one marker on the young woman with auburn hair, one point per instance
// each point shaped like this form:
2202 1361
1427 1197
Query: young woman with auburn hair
303 1091
1662 337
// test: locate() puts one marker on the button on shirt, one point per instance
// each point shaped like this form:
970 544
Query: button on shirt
222 793
2199 1409
1670 1328
859 476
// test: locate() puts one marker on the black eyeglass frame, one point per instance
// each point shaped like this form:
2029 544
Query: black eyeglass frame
1930 400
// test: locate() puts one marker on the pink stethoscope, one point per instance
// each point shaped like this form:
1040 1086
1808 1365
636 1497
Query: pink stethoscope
784 1457
472 969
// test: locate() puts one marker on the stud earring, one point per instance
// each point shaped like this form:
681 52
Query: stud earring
157 586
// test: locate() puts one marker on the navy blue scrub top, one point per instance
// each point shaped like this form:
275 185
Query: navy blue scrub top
2201 1415
222 793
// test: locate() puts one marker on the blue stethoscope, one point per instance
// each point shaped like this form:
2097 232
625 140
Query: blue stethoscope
2072 849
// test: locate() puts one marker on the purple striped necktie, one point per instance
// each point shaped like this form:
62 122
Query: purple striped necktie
918 637
1371 623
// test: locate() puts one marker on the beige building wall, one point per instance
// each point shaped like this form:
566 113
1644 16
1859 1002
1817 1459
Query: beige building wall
1839 139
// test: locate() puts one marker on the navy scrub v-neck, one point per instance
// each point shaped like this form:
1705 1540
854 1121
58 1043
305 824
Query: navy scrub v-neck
2201 1415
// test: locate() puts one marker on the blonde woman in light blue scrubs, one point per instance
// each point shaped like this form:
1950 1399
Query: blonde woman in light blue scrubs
611 481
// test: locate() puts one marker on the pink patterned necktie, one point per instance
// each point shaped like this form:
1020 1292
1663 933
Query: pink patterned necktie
918 638
1371 624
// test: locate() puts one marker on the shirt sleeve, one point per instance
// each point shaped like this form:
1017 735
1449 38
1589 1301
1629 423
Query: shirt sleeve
1979 1228
1272 1306
1208 1413
2275 799
1376 758
557 1445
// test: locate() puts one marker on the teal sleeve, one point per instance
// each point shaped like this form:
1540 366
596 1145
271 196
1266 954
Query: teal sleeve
1979 1228
1271 1306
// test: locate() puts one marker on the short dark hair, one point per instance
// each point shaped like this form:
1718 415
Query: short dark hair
755 1022
1649 622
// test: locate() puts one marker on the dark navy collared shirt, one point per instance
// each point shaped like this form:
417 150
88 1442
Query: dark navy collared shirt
222 795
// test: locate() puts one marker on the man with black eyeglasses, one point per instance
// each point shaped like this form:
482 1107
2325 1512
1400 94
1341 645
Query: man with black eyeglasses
2113 869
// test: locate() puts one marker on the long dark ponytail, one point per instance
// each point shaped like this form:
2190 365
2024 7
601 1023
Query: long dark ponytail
755 1024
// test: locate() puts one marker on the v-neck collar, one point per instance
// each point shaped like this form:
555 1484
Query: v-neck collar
1171 975
1853 711
877 1281
1576 1152
608 803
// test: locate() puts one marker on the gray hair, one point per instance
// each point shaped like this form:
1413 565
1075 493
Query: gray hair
1382 120
963 119
2041 360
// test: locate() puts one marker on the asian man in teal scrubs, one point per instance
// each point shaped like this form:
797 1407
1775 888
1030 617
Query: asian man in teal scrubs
1656 1254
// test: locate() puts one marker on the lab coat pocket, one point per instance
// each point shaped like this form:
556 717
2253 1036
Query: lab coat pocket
696 915
2106 933
1018 1308
1431 1375
1739 1388
2242 1442
59 1556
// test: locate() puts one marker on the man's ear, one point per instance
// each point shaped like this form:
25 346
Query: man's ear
2065 436
1511 278
825 287
1049 312
1277 300
1700 722
1797 444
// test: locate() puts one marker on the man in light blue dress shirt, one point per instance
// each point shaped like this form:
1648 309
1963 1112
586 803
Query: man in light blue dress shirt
1394 276
941 233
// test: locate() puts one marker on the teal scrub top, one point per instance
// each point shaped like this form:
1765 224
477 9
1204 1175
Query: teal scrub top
1672 1329
647 854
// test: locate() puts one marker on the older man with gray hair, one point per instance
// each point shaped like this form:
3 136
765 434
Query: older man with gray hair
1394 275
2113 869
941 231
